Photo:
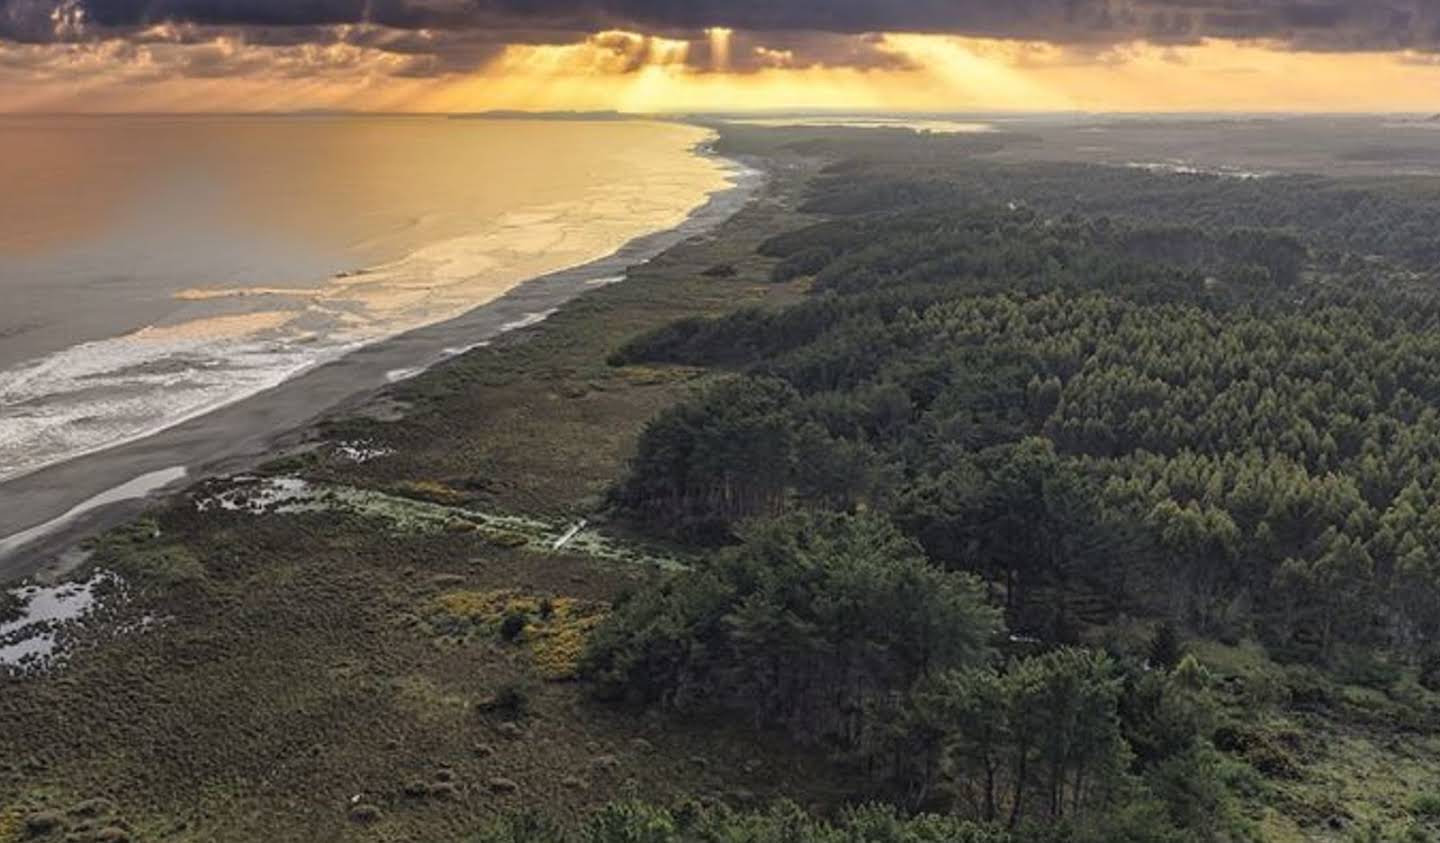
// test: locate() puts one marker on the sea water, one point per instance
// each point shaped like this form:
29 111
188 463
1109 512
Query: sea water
155 268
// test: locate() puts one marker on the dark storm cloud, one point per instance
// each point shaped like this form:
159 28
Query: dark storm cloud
460 32
403 14
1340 24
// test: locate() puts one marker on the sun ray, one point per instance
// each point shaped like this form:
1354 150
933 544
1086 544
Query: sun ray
636 71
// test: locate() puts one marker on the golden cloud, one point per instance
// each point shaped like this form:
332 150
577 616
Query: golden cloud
170 66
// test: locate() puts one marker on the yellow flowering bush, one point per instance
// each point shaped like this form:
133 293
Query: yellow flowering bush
555 629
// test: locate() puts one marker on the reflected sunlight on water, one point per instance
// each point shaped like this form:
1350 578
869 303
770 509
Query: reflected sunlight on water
211 258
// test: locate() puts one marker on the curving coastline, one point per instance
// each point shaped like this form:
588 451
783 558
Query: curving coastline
55 507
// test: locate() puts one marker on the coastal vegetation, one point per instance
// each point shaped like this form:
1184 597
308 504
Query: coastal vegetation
1168 422
1116 396
988 503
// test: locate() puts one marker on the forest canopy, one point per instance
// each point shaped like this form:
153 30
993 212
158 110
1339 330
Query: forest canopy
1046 398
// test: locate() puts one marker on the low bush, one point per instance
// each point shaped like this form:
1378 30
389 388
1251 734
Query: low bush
1426 805
513 626
511 701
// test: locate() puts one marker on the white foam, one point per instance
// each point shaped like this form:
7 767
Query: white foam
108 392
100 394
138 488
527 320
397 375
465 349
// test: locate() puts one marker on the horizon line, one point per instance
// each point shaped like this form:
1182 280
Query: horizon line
721 113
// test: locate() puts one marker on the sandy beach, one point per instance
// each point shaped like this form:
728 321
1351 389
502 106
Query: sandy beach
52 509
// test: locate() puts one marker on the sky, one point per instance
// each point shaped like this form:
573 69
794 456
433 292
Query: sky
720 55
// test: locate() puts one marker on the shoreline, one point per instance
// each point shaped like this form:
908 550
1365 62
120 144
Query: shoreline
52 509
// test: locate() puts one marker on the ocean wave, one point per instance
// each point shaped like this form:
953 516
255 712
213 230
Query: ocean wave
101 393
233 341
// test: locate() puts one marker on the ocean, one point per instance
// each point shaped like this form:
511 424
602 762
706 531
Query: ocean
153 269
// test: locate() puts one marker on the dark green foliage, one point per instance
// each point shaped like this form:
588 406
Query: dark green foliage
802 625
1430 669
1376 217
511 701
633 822
1426 805
1041 738
513 625
1135 816
1166 647
716 460
1166 715
985 251
42 823
721 270
1094 416
1375 832
12 606
807 261
1196 404
835 629
522 828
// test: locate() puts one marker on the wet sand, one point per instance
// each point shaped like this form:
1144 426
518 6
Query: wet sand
63 497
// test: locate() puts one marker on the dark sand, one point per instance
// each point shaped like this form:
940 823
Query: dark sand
39 519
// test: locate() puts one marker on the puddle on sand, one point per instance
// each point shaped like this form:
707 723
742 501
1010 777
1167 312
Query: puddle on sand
139 487
32 641
258 496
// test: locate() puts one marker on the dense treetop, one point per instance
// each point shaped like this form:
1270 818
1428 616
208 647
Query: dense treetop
1074 394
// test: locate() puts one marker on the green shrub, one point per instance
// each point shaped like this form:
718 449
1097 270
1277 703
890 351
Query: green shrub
1367 669
1274 752
1166 648
166 566
1430 669
11 606
42 823
504 538
733 634
513 626
521 828
511 700
1426 805
784 822
1308 689
365 814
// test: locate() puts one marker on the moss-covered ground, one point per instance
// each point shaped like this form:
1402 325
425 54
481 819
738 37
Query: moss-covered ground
1331 755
